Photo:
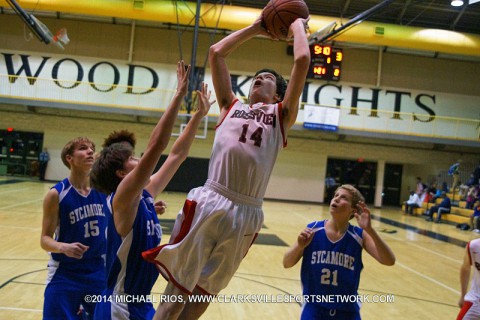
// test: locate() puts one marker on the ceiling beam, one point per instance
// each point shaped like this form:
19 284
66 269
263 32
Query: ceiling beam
234 18
404 10
459 15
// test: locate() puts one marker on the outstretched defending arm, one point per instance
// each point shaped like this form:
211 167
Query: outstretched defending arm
129 190
181 147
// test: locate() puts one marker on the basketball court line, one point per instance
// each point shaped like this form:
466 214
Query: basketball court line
21 204
21 309
425 249
423 232
13 190
20 275
427 277
21 228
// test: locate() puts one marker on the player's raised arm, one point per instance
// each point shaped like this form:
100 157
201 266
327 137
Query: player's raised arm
301 63
129 190
217 55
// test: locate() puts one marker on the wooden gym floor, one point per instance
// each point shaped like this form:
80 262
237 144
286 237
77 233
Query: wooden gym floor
424 283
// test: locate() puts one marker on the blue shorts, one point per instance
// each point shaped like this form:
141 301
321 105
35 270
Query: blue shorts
109 308
312 311
64 298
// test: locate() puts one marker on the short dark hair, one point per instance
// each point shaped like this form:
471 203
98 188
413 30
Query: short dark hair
120 136
103 176
281 82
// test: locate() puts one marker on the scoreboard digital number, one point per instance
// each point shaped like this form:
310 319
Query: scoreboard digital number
326 63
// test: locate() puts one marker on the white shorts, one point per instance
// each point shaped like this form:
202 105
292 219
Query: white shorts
211 236
469 311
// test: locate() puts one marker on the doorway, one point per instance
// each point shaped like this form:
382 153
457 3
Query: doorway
359 173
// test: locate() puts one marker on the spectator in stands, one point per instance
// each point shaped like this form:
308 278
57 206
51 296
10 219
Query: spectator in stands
413 202
474 219
420 186
476 175
330 186
444 187
43 159
454 171
443 207
428 196
472 197
471 181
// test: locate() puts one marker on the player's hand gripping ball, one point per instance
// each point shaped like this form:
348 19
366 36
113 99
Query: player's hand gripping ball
278 15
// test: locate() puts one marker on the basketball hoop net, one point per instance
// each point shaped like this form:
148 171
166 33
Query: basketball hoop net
61 38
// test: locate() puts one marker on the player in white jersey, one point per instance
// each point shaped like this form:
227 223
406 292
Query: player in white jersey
220 220
133 225
470 301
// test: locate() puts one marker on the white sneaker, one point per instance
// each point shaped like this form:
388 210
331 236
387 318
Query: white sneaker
476 230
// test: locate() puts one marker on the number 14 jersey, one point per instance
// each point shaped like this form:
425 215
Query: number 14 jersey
246 145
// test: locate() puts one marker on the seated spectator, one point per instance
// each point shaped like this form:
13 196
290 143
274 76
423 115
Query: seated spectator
420 186
463 191
413 202
444 186
443 207
438 194
427 196
476 175
472 197
474 219
471 181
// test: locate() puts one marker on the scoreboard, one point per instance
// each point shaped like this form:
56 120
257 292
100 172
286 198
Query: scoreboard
326 63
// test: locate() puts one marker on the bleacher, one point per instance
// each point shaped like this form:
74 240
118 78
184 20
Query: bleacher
458 212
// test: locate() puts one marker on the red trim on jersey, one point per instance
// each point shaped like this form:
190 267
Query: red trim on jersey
204 291
150 255
466 306
218 125
280 120
188 213
469 254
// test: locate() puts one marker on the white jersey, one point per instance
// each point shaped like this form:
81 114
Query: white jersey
246 145
474 254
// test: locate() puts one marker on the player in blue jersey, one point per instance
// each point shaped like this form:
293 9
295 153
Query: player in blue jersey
332 257
133 224
126 136
73 231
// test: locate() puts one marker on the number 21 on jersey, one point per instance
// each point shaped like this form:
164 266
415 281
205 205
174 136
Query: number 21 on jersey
329 277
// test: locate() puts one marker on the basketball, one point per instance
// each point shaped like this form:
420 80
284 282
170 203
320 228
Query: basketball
278 15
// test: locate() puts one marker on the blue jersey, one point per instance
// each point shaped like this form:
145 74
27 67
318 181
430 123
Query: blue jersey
331 270
82 219
128 273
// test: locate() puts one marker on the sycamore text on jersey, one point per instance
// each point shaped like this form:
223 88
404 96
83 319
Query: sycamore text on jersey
89 210
333 257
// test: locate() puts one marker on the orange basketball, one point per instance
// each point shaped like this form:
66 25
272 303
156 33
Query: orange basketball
278 15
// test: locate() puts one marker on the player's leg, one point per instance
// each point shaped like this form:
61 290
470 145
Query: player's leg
439 213
241 230
60 302
195 310
171 307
